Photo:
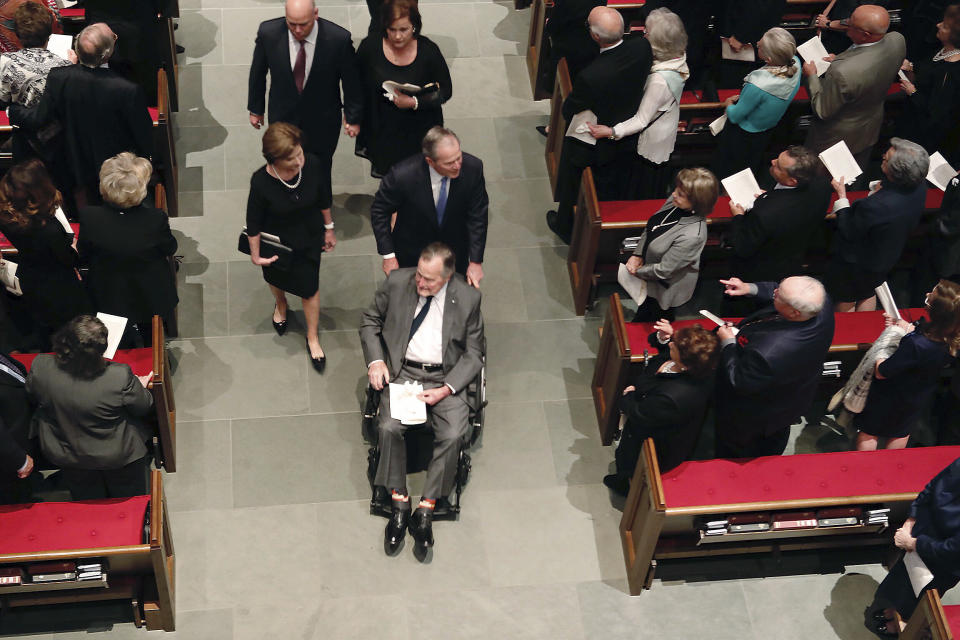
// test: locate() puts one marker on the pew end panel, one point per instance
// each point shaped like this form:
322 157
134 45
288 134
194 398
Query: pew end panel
643 518
165 155
582 255
611 371
562 85
930 620
538 52
161 386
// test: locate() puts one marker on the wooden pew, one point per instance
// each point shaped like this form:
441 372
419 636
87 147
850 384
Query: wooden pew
931 620
138 568
624 348
558 126
664 516
142 362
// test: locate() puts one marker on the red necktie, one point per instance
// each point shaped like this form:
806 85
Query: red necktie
300 67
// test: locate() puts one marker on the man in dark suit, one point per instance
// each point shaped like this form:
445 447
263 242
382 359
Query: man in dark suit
438 196
308 58
770 369
424 326
15 413
569 37
137 55
102 113
611 87
769 242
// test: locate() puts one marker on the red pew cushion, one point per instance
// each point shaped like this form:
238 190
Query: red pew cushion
78 13
804 476
140 360
633 211
61 526
952 613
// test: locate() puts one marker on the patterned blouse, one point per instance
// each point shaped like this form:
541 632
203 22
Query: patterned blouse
23 75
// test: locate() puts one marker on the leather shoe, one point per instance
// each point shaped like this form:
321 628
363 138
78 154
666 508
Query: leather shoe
617 484
421 528
396 531
319 364
553 221
279 327
880 629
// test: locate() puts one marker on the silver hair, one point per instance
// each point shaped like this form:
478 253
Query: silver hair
94 47
908 164
780 45
124 179
809 297
666 34
434 137
605 37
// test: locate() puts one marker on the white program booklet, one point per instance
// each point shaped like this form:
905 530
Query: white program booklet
635 287
59 45
116 325
840 162
405 406
717 320
813 51
717 125
578 126
940 172
920 575
62 219
745 54
885 297
742 188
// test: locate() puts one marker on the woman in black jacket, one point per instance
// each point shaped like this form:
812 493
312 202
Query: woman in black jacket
128 246
668 402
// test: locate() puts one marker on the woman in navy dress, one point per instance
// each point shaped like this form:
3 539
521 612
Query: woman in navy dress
905 382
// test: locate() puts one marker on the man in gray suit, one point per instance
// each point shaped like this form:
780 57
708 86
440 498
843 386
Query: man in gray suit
848 99
425 326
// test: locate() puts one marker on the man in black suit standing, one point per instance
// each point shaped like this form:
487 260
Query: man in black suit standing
438 196
770 369
102 113
308 58
611 87
15 413
769 241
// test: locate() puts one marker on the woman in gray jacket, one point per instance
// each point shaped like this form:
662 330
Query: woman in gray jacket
90 414
668 254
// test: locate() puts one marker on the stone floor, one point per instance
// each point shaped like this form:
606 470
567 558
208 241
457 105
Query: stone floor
269 508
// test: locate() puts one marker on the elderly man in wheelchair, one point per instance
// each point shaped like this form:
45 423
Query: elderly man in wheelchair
424 326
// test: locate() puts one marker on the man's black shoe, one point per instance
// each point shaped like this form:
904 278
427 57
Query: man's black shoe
617 484
421 528
553 221
396 531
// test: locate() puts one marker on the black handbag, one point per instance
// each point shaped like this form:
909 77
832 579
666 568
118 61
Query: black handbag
270 246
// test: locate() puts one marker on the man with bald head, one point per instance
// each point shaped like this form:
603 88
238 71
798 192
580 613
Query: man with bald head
770 368
848 99
308 59
102 113
611 86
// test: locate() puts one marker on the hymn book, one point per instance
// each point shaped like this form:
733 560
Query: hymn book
745 54
813 51
940 172
742 188
885 298
116 325
635 286
840 162
60 45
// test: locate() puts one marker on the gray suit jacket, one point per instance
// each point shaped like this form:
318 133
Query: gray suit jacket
673 260
385 327
848 99
88 424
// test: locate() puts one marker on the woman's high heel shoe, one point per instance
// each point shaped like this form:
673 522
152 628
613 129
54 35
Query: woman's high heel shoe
279 327
319 364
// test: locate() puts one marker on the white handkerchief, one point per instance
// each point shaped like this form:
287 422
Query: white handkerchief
717 125
940 172
404 404
578 126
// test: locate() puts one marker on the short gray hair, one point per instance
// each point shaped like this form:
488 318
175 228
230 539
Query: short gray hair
806 295
94 46
123 180
780 45
908 165
440 250
804 166
434 137
666 34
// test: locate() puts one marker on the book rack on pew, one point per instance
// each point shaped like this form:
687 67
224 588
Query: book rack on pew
664 516
137 565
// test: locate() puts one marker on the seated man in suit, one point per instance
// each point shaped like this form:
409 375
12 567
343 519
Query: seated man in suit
438 196
424 325
769 241
15 414
769 371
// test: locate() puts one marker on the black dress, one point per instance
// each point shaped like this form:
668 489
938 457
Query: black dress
932 116
46 266
910 379
295 216
128 253
389 134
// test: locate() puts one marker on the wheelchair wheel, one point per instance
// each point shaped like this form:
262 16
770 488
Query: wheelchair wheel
463 469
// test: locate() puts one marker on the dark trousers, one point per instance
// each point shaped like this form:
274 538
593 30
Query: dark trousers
577 156
125 482
14 490
897 592
651 311
762 445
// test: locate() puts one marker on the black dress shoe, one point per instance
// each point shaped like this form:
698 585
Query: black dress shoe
279 327
421 528
396 531
319 364
553 221
617 484
542 130
880 629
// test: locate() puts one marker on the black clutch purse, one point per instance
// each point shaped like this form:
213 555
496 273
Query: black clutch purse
270 246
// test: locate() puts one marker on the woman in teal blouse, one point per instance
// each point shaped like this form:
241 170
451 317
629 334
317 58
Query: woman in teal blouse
766 94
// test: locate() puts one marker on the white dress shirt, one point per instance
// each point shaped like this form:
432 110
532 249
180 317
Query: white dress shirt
435 180
309 43
426 345
656 143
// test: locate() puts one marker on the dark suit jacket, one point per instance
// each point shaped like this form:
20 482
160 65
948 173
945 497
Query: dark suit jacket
406 190
767 379
937 527
770 241
748 20
15 413
945 234
102 114
317 110
127 253
385 327
873 230
569 36
611 86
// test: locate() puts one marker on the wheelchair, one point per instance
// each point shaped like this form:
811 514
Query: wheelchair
419 444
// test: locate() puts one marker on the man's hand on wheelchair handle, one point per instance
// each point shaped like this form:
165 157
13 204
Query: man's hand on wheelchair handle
379 375
433 396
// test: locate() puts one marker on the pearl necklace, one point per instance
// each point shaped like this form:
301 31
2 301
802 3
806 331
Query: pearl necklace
284 182
941 55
